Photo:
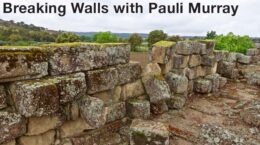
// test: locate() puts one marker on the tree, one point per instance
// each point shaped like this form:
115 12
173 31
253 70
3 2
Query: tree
105 37
67 37
211 35
156 36
135 40
174 38
85 38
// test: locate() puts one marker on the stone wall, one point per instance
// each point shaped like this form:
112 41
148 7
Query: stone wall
85 94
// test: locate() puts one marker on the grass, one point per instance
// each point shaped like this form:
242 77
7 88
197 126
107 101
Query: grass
164 44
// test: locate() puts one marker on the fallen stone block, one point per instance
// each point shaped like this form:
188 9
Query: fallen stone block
139 109
202 86
252 52
70 87
244 59
178 84
129 72
152 69
180 61
208 61
162 51
2 97
215 81
156 88
253 78
76 57
22 63
12 125
93 111
184 48
177 101
251 114
74 128
195 60
101 80
44 139
39 125
132 90
159 107
227 69
115 112
148 132
110 96
35 98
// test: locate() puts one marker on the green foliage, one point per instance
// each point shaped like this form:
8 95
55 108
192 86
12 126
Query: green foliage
164 44
105 37
141 48
174 38
12 33
67 37
135 40
85 38
156 36
211 35
233 43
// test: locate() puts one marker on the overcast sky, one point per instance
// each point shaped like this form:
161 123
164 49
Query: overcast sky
246 22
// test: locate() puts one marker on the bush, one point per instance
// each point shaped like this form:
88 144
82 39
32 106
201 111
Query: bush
135 40
233 43
105 37
156 36
67 37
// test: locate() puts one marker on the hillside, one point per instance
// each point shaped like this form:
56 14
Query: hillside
120 35
19 33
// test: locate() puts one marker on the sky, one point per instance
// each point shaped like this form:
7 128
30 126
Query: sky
246 21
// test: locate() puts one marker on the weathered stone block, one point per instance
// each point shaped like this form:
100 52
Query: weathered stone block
13 142
148 132
252 52
35 98
208 61
210 45
22 63
178 84
132 90
162 53
251 114
129 72
220 55
74 128
190 73
222 82
44 139
191 86
184 48
2 97
115 111
231 57
253 78
180 61
93 111
202 86
110 96
83 57
197 47
215 81
138 108
156 88
167 67
244 59
12 125
210 69
159 107
227 69
177 101
101 80
199 71
70 87
195 60
39 125
151 69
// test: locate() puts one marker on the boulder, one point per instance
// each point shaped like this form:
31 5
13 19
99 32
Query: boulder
129 72
202 86
215 81
177 101
148 132
227 69
253 78
35 98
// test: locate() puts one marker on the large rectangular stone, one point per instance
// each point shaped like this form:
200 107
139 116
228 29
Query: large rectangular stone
129 72
2 97
83 57
110 96
162 52
210 45
177 83
195 60
180 61
101 80
115 112
12 125
71 87
227 69
35 98
184 48
47 138
132 90
22 63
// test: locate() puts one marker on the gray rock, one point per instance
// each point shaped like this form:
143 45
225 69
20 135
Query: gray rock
184 48
180 61
208 61
253 78
2 97
252 52
129 72
244 59
195 60
177 101
202 86
115 111
178 84
159 107
139 109
251 114
215 80
227 69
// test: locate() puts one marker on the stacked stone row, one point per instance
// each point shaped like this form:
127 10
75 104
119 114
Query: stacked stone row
67 94
239 66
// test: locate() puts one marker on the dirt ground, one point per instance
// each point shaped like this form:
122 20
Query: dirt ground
212 119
